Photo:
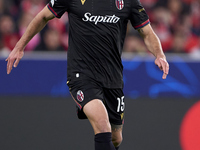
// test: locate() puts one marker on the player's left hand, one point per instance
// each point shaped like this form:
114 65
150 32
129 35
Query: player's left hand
163 65
14 58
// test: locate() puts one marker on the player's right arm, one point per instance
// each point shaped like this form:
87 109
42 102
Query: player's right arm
36 25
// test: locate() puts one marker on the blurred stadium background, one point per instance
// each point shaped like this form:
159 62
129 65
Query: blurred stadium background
36 111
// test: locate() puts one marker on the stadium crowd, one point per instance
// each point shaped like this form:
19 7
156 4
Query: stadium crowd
176 22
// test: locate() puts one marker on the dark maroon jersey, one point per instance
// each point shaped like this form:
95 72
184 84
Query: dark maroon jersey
97 30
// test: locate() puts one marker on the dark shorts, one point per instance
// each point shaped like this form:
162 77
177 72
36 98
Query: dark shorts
84 89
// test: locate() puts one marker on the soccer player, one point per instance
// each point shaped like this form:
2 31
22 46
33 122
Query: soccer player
97 31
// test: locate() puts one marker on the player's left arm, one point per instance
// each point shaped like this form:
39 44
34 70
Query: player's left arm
154 46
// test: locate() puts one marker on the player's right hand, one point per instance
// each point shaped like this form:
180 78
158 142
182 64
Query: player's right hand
14 58
163 65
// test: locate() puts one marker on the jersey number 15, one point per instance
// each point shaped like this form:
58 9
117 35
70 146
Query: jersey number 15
121 104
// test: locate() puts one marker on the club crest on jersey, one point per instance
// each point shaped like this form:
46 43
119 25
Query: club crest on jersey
119 4
80 96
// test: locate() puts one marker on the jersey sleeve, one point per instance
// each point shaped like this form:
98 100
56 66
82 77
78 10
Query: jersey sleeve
57 7
138 16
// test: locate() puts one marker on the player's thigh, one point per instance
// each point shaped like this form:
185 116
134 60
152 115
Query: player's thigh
88 96
97 115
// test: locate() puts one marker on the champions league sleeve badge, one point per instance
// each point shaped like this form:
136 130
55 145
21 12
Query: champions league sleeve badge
80 96
119 4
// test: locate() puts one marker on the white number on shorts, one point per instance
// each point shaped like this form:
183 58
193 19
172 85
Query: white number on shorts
121 104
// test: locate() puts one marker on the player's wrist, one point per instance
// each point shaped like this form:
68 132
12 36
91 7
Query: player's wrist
161 55
19 47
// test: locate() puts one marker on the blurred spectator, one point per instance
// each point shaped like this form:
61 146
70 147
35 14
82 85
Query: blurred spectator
7 30
2 7
175 7
195 9
185 27
178 45
134 44
161 24
148 3
51 41
176 22
5 7
33 6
